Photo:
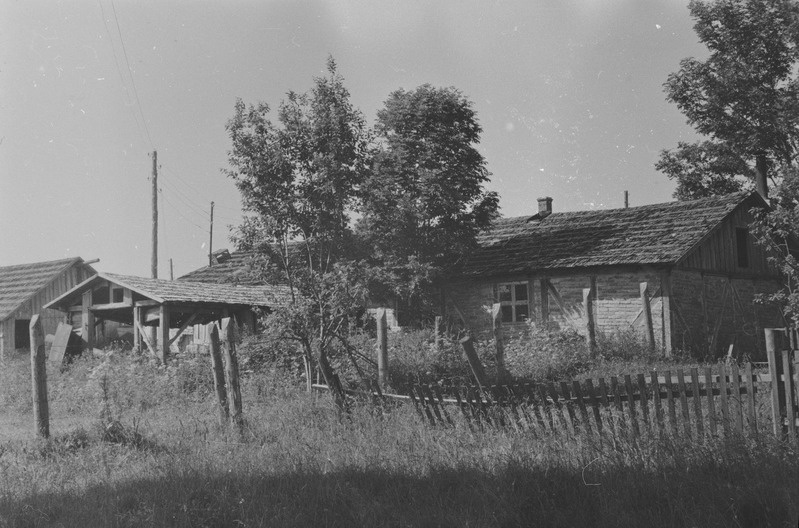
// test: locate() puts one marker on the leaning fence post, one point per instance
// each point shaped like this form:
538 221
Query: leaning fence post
772 343
41 412
474 361
382 348
647 312
590 327
219 375
232 373
496 324
436 331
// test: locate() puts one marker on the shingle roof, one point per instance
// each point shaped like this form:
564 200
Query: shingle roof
650 234
233 270
21 282
166 291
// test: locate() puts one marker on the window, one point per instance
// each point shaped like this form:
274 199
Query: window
741 246
513 300
117 295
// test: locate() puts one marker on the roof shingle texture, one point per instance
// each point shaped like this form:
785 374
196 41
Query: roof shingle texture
649 234
21 282
197 292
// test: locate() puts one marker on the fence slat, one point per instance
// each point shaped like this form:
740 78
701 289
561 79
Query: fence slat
589 386
628 386
578 395
614 389
670 401
464 409
686 418
750 408
655 384
644 399
787 381
771 352
725 405
564 388
558 407
700 429
428 394
739 408
437 392
546 408
711 406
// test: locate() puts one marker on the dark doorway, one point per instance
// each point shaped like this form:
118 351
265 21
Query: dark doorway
22 333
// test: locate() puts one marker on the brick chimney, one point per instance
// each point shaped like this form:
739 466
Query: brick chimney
544 207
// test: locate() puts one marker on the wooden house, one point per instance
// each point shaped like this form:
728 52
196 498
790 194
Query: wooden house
26 288
701 267
163 305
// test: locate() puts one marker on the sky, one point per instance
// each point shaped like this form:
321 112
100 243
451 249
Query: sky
568 93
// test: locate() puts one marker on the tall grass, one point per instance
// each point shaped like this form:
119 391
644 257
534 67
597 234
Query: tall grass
298 464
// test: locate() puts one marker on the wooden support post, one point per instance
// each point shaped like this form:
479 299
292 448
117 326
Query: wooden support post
137 335
41 412
163 330
590 327
219 374
772 348
382 348
232 373
647 312
474 361
496 325
2 347
87 325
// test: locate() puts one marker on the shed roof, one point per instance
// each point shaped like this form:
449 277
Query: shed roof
234 269
20 282
166 291
650 234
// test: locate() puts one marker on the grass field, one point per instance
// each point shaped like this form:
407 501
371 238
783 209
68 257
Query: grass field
165 461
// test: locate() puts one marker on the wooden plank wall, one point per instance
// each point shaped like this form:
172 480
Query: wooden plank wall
62 283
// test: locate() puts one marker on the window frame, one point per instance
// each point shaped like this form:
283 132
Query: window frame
514 303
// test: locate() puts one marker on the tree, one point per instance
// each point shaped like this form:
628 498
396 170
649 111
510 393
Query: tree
424 200
744 98
297 182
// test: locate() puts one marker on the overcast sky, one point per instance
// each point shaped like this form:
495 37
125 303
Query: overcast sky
569 94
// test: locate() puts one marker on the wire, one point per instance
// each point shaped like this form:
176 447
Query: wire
177 210
130 74
119 72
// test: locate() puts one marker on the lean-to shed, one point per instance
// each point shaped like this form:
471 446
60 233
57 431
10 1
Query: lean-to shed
26 288
169 306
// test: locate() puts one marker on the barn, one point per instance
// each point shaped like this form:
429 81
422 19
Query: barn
692 264
26 288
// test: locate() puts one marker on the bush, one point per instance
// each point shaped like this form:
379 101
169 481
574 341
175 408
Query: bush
543 355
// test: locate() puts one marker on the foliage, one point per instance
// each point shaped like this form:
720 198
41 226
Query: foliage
777 230
424 200
744 97
297 181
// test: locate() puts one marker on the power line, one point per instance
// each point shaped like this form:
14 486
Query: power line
130 74
119 72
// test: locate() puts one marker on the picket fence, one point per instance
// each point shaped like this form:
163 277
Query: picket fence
721 399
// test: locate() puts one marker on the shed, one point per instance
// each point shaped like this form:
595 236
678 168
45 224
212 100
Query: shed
26 288
162 304
701 266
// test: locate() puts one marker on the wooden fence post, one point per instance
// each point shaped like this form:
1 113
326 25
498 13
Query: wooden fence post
382 348
41 412
474 361
2 347
232 373
219 374
772 346
437 331
496 325
590 327
647 312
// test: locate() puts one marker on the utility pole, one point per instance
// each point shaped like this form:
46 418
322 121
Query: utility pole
154 258
171 271
211 238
